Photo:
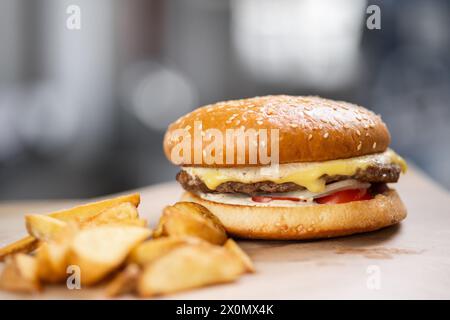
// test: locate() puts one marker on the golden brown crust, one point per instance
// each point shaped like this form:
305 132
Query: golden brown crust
310 128
309 222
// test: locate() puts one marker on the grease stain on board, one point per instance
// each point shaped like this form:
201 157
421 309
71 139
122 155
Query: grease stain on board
376 252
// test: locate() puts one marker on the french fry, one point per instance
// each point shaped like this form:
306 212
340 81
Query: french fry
99 251
43 227
20 274
124 282
191 219
78 214
24 245
150 250
188 267
237 251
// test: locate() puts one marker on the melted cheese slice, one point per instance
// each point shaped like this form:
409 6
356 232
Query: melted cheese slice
306 174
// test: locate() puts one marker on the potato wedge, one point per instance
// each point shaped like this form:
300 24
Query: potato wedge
85 212
124 282
20 274
237 251
24 245
79 214
43 227
122 212
52 261
99 251
52 256
198 209
150 250
159 230
46 228
131 222
191 219
188 267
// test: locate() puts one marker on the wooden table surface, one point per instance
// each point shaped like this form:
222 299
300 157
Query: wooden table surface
408 261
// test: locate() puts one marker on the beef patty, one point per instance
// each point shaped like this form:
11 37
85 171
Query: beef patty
375 174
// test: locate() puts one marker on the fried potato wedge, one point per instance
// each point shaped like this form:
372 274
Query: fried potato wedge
124 282
131 222
46 228
43 227
189 267
20 274
52 261
237 251
150 250
200 211
191 219
52 256
122 212
99 251
24 245
78 214
159 230
85 212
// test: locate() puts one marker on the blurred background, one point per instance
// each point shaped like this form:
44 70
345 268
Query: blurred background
83 111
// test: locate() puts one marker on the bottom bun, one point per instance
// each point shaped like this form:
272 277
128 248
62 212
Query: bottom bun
307 222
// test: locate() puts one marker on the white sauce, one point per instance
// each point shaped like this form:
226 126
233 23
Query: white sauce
240 199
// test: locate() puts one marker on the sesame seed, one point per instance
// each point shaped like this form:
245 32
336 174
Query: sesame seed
293 125
326 135
358 132
367 134
259 122
374 145
310 137
359 146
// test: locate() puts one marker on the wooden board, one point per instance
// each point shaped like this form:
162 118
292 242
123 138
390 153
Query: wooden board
408 261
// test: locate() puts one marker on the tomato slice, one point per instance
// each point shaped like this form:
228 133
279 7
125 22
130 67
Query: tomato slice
345 196
265 199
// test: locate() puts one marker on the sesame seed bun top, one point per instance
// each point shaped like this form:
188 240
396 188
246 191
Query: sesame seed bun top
309 129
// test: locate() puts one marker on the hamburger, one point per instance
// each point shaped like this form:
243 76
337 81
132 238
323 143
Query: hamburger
329 166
